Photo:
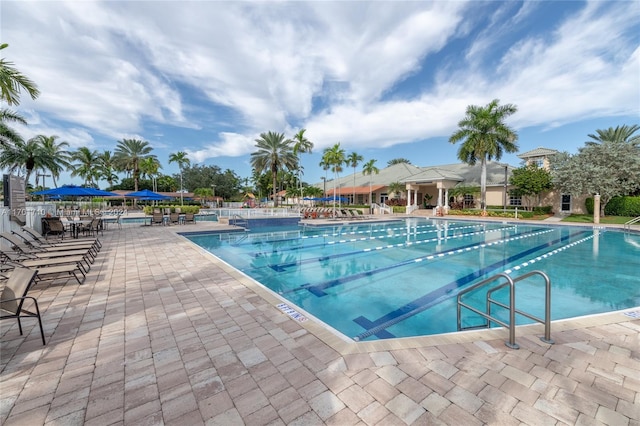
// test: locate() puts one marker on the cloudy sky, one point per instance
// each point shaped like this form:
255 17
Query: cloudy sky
385 79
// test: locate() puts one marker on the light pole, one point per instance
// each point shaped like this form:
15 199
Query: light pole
213 193
504 198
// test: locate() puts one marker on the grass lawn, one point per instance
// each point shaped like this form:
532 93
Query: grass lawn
585 218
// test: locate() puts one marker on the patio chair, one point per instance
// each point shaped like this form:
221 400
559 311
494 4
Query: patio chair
14 295
174 218
157 218
189 218
53 226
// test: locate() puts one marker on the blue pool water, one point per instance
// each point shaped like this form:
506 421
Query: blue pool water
143 220
399 279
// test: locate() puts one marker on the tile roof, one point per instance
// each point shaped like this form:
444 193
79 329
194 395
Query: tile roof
538 152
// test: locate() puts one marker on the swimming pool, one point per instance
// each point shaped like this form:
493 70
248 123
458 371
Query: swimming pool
400 279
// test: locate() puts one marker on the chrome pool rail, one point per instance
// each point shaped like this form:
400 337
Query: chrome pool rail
511 325
627 225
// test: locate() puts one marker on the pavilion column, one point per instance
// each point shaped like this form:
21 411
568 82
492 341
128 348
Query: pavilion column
446 197
439 197
408 196
415 198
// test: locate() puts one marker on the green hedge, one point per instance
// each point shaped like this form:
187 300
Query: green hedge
617 206
183 209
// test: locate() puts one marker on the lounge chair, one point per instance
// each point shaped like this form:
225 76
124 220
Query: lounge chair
14 295
47 247
32 252
36 236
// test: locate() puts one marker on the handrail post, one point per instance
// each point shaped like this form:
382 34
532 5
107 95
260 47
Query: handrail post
512 315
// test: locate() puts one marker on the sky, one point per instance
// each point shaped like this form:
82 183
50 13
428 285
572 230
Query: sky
384 79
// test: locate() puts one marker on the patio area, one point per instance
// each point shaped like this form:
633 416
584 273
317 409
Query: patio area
163 333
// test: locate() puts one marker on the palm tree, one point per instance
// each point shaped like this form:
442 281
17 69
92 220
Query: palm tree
86 165
183 161
353 160
58 156
621 134
369 168
8 136
274 153
300 145
485 137
396 188
395 161
149 168
12 81
107 167
334 157
127 156
25 157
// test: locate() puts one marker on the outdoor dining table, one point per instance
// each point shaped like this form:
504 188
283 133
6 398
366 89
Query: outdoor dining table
76 225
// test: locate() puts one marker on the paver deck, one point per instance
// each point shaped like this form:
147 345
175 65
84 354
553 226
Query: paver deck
161 332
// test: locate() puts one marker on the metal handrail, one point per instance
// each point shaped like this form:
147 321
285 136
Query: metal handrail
239 221
511 306
627 224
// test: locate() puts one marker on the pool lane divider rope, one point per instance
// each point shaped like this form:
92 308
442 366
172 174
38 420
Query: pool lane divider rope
379 327
281 267
352 240
318 289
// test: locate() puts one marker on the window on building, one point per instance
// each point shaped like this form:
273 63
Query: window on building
515 200
468 200
539 162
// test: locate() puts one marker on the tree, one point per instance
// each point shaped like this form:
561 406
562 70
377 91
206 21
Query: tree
609 169
149 168
485 136
128 154
13 81
301 145
396 188
334 157
398 161
183 161
107 168
529 181
274 153
353 160
58 157
368 169
86 165
621 134
8 136
25 157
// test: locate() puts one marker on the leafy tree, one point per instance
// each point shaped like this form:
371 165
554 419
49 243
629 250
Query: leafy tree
86 165
353 160
530 181
13 81
183 161
460 191
485 136
368 169
395 161
128 154
227 183
274 153
609 169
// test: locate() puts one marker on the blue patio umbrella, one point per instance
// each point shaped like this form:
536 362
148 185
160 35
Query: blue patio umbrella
147 195
75 191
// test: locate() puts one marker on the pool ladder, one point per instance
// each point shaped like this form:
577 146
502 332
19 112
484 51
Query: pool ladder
239 221
511 306
627 225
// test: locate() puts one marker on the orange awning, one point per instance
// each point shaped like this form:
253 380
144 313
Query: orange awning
358 190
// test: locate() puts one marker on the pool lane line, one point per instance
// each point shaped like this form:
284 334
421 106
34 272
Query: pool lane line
378 327
381 237
280 267
318 288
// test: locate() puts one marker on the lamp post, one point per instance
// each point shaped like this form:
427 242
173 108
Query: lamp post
504 198
213 193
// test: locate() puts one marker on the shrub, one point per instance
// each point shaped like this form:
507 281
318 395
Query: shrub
543 210
623 206
588 204
399 209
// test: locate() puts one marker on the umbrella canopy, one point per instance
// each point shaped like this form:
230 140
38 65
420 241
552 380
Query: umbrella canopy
145 194
75 191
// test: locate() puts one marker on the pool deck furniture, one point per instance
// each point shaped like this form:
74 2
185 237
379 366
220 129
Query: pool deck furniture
14 296
221 352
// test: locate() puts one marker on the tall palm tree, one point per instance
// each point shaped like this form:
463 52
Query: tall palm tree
58 156
12 81
353 160
8 136
149 167
274 153
369 168
301 145
485 136
335 158
619 134
86 165
183 161
127 156
107 167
